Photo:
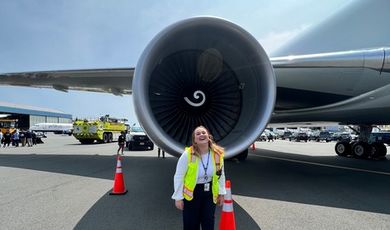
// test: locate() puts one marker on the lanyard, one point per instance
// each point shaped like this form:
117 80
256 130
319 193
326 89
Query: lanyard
205 167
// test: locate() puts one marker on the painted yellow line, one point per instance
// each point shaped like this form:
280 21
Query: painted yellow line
324 165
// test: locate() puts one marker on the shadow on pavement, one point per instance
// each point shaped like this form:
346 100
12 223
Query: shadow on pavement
319 184
149 180
147 205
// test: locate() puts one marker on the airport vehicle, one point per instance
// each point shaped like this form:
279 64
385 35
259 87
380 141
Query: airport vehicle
103 130
300 136
136 139
341 137
262 137
267 135
7 124
56 128
286 135
221 77
324 136
383 137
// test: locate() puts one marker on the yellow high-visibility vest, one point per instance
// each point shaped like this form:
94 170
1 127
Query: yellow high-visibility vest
190 176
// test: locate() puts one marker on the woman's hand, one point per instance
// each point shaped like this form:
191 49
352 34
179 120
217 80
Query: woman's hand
179 204
220 200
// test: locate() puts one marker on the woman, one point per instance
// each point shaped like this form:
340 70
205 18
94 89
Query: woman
199 181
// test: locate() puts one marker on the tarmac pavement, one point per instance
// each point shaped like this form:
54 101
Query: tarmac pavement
283 185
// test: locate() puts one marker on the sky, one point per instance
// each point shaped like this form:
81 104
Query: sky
71 34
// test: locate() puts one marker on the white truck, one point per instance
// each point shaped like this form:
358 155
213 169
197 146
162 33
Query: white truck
136 139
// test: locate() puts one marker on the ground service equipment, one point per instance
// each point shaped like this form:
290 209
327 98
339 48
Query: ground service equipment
8 125
103 130
136 139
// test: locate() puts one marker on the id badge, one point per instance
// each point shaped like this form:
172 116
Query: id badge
207 187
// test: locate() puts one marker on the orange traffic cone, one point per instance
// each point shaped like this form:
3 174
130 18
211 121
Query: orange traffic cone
227 221
253 146
119 184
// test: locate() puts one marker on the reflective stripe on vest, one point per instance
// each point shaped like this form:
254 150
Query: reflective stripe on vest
190 177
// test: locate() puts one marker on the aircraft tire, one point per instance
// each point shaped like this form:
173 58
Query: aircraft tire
378 150
360 149
342 148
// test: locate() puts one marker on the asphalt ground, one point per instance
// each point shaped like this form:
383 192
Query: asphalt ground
283 185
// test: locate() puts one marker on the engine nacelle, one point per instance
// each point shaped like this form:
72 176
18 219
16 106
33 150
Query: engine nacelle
204 71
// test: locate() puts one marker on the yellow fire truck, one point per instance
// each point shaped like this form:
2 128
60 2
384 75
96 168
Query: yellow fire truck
103 130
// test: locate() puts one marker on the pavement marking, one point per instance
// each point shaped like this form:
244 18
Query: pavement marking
324 165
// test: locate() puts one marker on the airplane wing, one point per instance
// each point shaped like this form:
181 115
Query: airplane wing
116 81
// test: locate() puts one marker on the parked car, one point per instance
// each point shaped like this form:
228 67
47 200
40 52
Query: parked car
301 136
286 135
262 137
383 137
136 139
324 136
270 135
313 135
342 137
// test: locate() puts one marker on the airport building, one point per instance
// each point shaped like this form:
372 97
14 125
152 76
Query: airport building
25 116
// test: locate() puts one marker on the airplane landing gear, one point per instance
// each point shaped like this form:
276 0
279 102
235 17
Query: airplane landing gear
343 148
378 150
362 148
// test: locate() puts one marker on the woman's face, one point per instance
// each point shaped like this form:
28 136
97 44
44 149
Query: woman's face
201 136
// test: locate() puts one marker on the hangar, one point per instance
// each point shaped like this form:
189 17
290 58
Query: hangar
24 116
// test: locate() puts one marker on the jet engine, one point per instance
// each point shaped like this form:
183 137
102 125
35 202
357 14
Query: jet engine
204 71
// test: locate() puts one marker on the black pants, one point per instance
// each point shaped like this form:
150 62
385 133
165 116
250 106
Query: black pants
200 210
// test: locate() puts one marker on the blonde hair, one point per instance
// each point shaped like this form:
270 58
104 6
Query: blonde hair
212 145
